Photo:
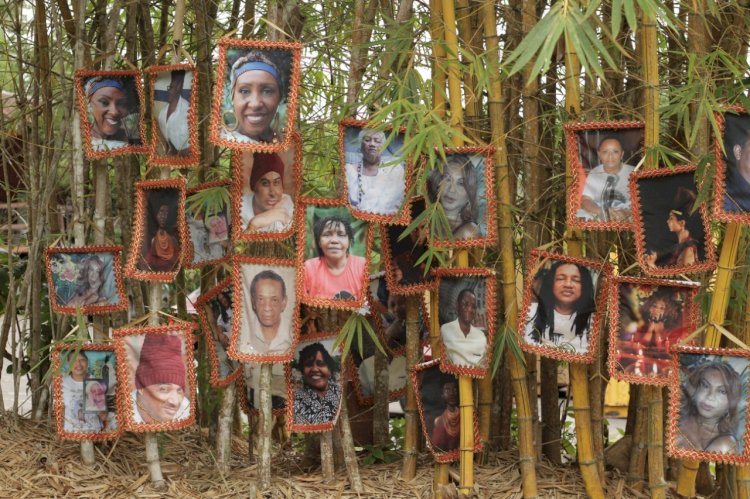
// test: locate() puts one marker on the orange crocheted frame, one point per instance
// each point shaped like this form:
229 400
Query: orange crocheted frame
210 332
302 230
240 291
59 402
720 180
573 152
446 365
417 374
139 230
239 180
708 263
402 215
376 311
681 353
115 251
362 399
194 155
127 375
629 359
81 76
190 250
490 237
222 80
536 261
290 384
248 408
389 237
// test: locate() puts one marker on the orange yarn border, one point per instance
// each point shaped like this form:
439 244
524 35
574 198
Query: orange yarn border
675 401
600 301
440 457
215 377
403 214
188 261
87 309
579 173
195 153
83 74
59 403
640 240
690 308
136 242
221 76
239 233
125 387
721 172
446 365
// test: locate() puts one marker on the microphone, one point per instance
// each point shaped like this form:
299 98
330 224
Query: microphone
608 195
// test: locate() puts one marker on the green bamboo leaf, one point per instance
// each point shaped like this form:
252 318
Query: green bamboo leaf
616 17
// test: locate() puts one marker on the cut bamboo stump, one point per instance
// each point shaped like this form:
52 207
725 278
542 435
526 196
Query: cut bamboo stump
466 439
582 411
656 482
411 415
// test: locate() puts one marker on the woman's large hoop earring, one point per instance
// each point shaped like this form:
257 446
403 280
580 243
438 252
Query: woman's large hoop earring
224 125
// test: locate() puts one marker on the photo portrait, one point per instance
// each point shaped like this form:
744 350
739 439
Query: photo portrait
255 100
603 155
208 222
85 279
564 301
375 170
173 115
388 311
670 229
463 185
267 328
708 406
156 364
85 388
400 256
466 317
215 312
250 394
733 167
314 378
266 185
111 114
648 316
335 256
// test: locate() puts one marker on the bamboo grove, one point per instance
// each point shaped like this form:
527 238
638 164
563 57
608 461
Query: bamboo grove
506 74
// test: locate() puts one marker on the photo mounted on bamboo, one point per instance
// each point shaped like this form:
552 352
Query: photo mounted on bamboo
209 224
315 385
250 400
215 309
161 248
734 181
712 413
171 108
256 94
463 320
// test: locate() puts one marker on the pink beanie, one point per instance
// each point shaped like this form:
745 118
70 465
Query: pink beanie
161 361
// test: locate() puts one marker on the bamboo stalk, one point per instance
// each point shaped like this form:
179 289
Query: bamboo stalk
326 456
656 482
411 415
264 427
226 418
347 444
637 462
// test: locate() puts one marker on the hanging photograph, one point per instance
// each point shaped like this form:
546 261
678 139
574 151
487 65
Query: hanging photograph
248 389
335 256
86 279
732 193
174 132
708 405
265 190
255 96
85 386
602 156
266 321
463 185
466 305
109 103
159 230
215 313
208 224
376 175
564 303
314 383
671 230
155 365
437 402
400 256
647 317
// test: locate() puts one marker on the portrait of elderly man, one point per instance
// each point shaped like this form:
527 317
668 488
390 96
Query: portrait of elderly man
268 327
605 194
737 177
465 344
375 185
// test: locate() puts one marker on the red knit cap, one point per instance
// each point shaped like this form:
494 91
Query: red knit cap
161 361
264 162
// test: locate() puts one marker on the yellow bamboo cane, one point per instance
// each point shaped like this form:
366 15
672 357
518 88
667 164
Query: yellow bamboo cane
508 270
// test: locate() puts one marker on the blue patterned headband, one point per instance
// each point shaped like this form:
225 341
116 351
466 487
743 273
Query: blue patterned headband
104 83
256 66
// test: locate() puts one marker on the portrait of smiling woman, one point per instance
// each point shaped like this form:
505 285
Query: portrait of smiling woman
112 107
317 394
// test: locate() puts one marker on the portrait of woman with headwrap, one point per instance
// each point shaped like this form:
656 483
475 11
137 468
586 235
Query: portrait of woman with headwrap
113 112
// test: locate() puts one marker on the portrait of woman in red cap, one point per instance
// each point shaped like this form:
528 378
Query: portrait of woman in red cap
267 208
